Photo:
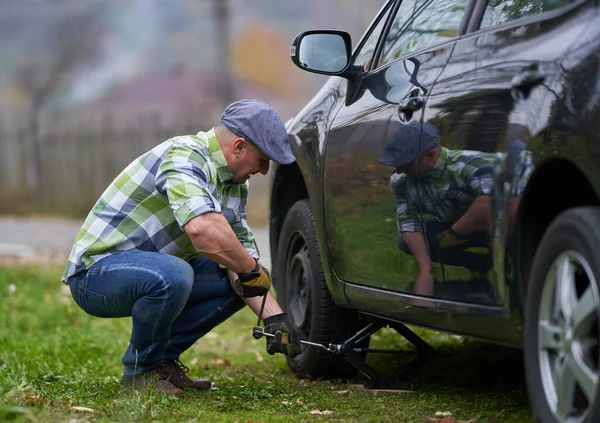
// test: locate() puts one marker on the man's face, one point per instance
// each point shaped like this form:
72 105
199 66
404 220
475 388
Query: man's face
247 160
420 165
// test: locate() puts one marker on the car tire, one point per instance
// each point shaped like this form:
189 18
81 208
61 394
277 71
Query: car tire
562 356
303 294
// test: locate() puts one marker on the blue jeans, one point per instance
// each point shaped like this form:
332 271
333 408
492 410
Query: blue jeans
172 302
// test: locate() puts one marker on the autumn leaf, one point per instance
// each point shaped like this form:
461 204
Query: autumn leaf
219 362
321 412
84 409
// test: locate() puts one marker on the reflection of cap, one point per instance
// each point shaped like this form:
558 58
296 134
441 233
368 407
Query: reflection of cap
259 124
403 147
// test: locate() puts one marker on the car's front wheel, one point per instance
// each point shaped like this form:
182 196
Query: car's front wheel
302 292
562 320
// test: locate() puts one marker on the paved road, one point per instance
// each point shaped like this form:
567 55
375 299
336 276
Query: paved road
53 238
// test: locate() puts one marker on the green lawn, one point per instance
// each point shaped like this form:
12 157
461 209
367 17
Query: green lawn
54 358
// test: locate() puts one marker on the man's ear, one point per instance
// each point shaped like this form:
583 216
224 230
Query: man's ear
238 146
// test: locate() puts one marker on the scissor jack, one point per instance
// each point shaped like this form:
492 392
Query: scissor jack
424 353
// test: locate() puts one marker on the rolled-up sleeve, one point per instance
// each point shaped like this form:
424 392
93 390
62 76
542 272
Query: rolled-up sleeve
240 227
185 178
479 175
408 219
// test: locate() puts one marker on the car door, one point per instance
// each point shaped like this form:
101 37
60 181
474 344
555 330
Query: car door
493 98
359 208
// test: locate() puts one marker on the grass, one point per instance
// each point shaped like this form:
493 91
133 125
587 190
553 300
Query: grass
55 358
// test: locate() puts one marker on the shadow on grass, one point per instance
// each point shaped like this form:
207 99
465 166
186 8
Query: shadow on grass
461 363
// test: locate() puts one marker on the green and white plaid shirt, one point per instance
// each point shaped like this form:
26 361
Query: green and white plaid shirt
147 205
449 188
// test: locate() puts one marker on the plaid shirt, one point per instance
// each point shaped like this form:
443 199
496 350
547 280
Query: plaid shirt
449 188
148 204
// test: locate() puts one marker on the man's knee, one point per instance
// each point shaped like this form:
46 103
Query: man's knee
180 276
401 244
173 277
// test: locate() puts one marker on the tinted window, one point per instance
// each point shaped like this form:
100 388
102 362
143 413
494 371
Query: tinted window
365 54
420 23
500 11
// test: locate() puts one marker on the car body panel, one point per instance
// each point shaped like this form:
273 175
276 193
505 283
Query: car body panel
337 142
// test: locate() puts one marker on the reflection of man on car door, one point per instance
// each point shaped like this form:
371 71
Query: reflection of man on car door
443 201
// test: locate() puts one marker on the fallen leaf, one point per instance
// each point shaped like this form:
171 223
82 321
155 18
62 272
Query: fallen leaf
194 361
270 375
258 356
442 413
342 392
304 383
321 412
211 335
299 401
35 398
286 403
220 362
84 409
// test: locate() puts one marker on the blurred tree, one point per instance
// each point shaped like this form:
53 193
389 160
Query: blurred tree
261 56
74 41
223 20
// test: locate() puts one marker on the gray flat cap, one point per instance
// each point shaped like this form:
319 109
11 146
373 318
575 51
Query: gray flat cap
259 124
403 147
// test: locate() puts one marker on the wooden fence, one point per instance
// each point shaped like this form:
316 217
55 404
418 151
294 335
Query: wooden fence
70 162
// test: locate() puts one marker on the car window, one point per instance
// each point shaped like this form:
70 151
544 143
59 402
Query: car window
420 23
500 11
364 55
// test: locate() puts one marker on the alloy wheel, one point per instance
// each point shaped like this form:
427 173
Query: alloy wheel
568 337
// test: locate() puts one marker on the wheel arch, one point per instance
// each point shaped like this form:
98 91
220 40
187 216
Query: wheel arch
557 185
288 187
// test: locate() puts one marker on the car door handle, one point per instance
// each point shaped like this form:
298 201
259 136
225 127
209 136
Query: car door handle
411 104
522 84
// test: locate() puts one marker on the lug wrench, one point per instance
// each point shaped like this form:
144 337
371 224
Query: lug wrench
258 332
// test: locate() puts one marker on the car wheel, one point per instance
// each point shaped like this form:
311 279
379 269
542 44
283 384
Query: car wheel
303 294
562 319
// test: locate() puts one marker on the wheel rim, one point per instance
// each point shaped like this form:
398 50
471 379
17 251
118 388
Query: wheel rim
568 337
298 282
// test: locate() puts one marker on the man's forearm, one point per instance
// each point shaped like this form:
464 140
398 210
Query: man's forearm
212 235
415 241
476 218
271 305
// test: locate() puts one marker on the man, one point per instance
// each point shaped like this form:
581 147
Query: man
451 189
168 244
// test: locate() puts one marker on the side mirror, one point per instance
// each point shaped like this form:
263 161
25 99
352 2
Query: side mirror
326 52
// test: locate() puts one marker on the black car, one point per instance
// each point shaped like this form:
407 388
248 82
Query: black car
448 176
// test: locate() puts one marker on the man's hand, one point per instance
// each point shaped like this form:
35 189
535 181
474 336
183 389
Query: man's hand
450 239
287 336
253 284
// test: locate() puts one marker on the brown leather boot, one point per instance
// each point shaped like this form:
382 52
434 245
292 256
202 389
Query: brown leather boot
156 379
177 376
